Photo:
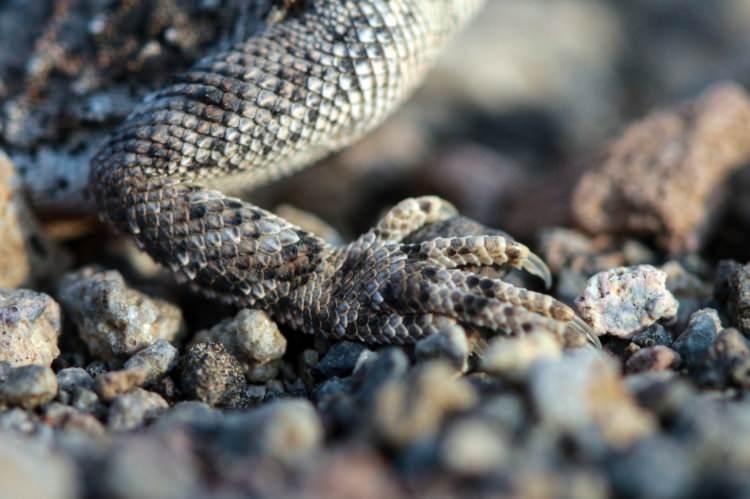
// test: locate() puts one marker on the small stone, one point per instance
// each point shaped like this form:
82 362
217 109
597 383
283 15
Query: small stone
625 300
30 325
656 358
512 357
584 389
144 367
702 329
473 447
28 471
207 372
192 413
253 338
27 386
74 377
688 289
143 467
662 393
70 419
409 410
449 344
739 298
134 409
373 371
727 362
653 335
286 430
340 360
27 254
114 320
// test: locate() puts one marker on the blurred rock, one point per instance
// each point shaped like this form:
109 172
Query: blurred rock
286 430
27 254
623 301
512 357
340 360
584 389
473 447
449 344
134 409
727 362
30 325
113 319
144 467
738 282
654 358
27 386
28 471
663 177
409 410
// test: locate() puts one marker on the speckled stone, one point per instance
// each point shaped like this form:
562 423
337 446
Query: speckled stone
27 386
207 372
625 300
30 324
113 319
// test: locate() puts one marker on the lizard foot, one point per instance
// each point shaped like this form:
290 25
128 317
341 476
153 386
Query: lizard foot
384 290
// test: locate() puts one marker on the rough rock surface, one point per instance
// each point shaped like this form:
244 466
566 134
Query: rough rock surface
624 300
30 324
27 254
113 319
663 177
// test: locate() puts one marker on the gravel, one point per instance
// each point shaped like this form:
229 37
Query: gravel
136 388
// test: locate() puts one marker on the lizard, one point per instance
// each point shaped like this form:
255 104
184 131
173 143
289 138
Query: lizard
304 87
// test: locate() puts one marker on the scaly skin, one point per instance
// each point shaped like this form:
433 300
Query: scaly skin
305 87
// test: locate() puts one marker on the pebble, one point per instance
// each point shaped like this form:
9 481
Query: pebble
144 367
583 389
27 254
512 357
29 471
286 430
739 298
30 325
727 362
653 335
654 358
473 447
449 344
113 319
132 410
702 329
623 301
340 360
27 386
208 373
407 410
150 467
254 339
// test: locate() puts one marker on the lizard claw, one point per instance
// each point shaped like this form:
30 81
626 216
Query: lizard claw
536 267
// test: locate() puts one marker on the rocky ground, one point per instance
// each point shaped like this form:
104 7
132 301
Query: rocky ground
614 143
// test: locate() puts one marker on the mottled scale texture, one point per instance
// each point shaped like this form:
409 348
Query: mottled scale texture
308 85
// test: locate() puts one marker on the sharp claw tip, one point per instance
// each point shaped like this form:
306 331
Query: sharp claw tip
536 266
